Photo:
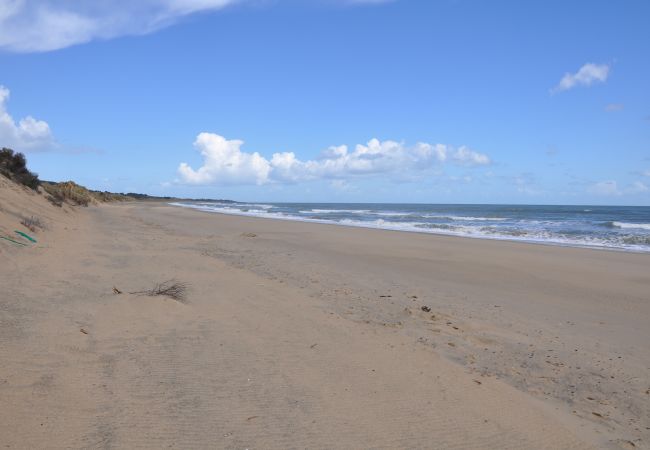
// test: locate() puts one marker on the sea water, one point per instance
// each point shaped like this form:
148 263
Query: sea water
611 227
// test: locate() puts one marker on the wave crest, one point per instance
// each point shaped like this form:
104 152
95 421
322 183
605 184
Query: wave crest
627 225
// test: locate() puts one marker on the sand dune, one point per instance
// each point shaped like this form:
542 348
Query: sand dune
18 202
313 336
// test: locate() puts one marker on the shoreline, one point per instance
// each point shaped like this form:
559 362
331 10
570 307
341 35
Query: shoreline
434 233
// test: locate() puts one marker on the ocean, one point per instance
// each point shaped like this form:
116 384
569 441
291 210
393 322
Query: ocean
608 227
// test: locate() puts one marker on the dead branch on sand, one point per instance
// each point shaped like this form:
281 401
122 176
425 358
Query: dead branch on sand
32 223
172 289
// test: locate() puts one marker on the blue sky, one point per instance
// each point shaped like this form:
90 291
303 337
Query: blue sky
432 101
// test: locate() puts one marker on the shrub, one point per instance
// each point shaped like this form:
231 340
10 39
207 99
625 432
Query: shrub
55 201
14 165
32 223
68 192
107 197
74 194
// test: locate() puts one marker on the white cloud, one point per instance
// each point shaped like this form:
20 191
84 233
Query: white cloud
43 25
26 134
467 157
586 76
225 163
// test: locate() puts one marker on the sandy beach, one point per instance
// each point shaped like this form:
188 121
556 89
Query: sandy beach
298 335
324 224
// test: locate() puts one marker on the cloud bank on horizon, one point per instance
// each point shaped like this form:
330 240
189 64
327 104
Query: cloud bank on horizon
46 25
224 163
27 133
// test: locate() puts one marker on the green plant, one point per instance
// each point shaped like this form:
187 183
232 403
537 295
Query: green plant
14 165
69 192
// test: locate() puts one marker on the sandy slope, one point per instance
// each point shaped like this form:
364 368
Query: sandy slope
18 202
312 336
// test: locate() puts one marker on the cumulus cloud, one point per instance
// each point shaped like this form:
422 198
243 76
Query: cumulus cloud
26 134
467 157
585 76
225 163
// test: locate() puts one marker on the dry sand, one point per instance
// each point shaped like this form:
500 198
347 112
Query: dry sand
302 335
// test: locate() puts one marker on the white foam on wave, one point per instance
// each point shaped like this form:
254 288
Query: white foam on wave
365 211
404 214
393 213
384 224
464 218
333 211
483 232
478 219
232 210
639 226
539 236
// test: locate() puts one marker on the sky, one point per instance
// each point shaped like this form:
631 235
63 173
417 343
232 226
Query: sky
424 101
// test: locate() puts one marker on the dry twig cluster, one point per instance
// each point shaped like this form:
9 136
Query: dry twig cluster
32 223
172 289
